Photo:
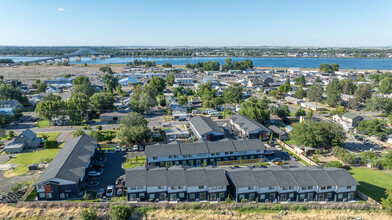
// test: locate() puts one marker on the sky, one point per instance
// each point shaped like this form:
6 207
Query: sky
329 23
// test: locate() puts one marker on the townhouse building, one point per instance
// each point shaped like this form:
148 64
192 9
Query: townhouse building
206 129
248 128
280 184
203 152
177 183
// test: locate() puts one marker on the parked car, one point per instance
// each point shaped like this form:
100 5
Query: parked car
120 182
293 158
286 153
141 148
109 191
117 149
94 173
277 161
166 125
135 148
124 148
120 192
278 147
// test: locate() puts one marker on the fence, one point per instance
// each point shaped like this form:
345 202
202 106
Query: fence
296 153
367 198
29 190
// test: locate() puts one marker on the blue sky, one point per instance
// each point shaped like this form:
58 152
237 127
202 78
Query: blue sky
196 22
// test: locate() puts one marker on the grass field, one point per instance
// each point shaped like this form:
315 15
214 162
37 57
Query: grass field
42 123
51 135
134 162
25 159
373 182
32 195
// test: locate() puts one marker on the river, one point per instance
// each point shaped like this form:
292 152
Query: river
345 63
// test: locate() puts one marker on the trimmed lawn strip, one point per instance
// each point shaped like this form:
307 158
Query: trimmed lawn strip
134 162
51 135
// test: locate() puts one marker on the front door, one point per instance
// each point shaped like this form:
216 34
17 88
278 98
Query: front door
271 197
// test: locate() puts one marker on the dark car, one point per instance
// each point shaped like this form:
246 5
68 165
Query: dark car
101 193
120 192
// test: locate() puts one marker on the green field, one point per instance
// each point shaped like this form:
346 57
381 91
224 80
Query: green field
51 135
25 159
43 123
32 195
134 162
373 182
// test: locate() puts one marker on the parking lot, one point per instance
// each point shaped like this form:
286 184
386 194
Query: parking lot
282 156
111 171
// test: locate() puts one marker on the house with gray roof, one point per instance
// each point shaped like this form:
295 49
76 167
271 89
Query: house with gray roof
177 183
206 129
248 128
348 120
28 138
279 133
65 176
281 184
203 152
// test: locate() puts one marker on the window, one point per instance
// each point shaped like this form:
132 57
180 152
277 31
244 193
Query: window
262 196
226 153
349 187
160 187
185 156
203 196
151 196
285 188
170 156
184 162
329 187
175 156
310 187
240 197
42 195
132 197
340 196
322 188
291 195
174 187
40 186
141 195
140 187
180 187
48 195
303 188
231 152
192 196
329 195
258 151
291 187
213 197
201 187
302 196
133 188
251 197
271 187
250 188
154 158
181 195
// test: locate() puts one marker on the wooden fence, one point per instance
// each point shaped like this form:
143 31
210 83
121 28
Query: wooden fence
296 153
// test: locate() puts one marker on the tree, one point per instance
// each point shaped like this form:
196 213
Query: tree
167 65
341 110
133 119
102 102
256 109
283 112
277 94
205 92
316 92
300 81
133 128
110 81
41 87
363 92
318 134
9 92
334 164
51 108
287 81
335 67
333 92
309 114
211 66
347 86
228 65
284 88
273 110
300 93
233 94
119 212
325 67
170 79
157 83
300 112
83 85
386 86
143 99
106 69
387 160
78 132
374 127
161 100
318 80
183 100
375 104
89 214
77 107
387 202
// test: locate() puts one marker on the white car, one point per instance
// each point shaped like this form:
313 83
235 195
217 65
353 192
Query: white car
278 147
124 148
117 149
94 173
110 191
135 148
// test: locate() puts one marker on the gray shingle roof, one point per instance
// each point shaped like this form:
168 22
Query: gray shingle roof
341 177
242 177
70 162
29 134
247 123
264 177
283 178
302 177
177 148
321 178
205 125
215 176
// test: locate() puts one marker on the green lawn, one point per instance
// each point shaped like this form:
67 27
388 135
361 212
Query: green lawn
373 182
25 159
43 123
134 162
32 195
50 135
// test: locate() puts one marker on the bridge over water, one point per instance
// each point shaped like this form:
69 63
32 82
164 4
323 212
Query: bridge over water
83 52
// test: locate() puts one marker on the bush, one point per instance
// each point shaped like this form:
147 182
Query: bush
119 212
334 164
243 200
16 187
378 164
316 160
99 127
346 157
50 144
89 214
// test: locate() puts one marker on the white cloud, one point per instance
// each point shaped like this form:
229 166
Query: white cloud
60 9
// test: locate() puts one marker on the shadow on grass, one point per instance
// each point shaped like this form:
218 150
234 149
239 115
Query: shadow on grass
375 192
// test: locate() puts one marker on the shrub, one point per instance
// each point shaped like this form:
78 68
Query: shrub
378 164
99 127
243 200
334 164
50 144
316 160
89 214
16 187
119 212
